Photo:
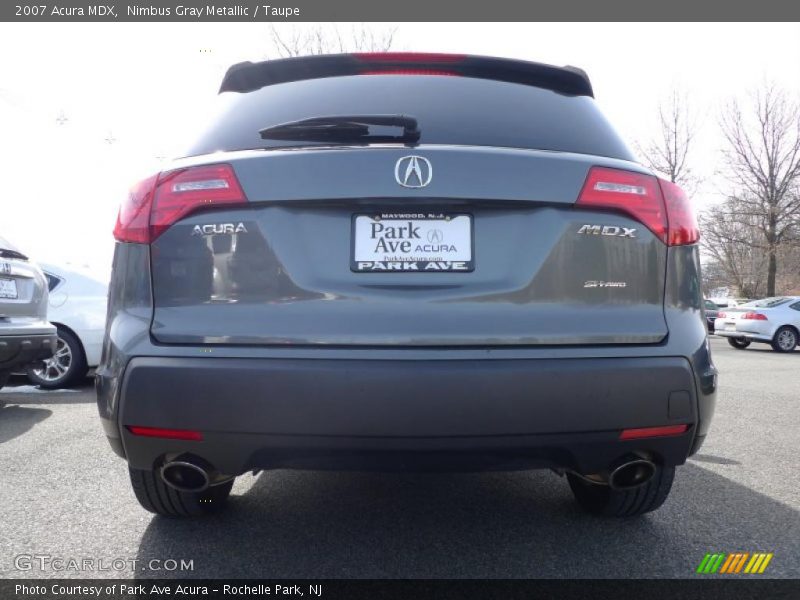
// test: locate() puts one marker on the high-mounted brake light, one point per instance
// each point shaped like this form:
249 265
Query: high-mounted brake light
754 316
409 57
650 432
659 205
407 63
159 201
399 71
172 434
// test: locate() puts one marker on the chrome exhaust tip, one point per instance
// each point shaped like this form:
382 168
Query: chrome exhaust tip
631 474
185 476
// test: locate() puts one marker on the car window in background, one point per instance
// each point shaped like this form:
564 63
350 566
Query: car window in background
767 302
52 281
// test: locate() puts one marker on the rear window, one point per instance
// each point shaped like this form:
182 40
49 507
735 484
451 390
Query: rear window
450 110
52 281
767 302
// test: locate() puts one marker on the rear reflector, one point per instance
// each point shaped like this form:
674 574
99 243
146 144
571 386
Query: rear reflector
172 434
754 316
650 432
157 202
659 205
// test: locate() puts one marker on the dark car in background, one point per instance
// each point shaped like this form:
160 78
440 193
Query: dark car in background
711 311
405 261
25 334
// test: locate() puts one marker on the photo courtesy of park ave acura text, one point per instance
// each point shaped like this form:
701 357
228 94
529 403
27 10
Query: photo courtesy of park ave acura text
295 307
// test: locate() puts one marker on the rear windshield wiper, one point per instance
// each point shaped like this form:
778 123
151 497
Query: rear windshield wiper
343 129
7 253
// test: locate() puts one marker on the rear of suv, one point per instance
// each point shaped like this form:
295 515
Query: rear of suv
405 261
25 335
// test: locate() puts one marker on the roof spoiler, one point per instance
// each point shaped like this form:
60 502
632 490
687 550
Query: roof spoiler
249 76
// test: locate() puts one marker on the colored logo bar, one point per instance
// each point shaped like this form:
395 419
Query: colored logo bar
737 562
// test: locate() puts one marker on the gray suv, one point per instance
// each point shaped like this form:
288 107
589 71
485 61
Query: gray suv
405 261
25 335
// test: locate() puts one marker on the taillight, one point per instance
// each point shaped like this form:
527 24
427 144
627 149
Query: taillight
681 219
159 201
721 315
659 205
754 316
133 220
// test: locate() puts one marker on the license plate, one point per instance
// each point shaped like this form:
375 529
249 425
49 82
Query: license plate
412 243
8 288
730 326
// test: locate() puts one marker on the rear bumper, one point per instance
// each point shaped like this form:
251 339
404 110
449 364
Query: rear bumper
453 414
17 350
748 335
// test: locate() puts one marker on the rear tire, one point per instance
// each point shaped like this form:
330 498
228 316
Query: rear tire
785 339
157 497
66 367
601 500
738 343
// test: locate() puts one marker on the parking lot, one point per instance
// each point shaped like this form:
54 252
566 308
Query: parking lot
66 495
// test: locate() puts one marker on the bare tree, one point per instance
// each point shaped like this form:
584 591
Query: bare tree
298 40
762 162
735 261
669 151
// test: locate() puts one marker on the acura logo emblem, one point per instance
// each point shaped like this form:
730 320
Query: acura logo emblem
413 171
435 236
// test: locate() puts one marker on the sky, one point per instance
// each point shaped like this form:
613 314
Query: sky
87 109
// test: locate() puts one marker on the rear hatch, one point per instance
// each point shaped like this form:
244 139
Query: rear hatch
516 218
21 289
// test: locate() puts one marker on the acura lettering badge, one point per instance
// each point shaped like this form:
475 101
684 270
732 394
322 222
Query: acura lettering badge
413 171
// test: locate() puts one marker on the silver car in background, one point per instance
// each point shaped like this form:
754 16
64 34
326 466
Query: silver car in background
774 321
25 334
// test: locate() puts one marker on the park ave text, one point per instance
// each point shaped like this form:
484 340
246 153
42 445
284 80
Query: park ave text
164 590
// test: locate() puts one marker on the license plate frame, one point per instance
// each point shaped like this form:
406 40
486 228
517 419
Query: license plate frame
6 285
447 224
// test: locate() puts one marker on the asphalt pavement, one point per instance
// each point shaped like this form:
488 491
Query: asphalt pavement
65 496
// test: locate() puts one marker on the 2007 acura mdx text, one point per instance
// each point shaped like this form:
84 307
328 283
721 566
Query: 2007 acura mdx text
406 261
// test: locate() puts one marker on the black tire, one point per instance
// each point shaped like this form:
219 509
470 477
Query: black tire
76 369
4 375
785 339
603 501
738 343
157 497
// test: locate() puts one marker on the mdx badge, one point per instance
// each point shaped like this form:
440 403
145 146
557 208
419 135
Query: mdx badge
610 230
413 171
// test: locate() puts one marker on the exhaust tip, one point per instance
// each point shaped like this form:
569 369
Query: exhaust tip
185 476
631 474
